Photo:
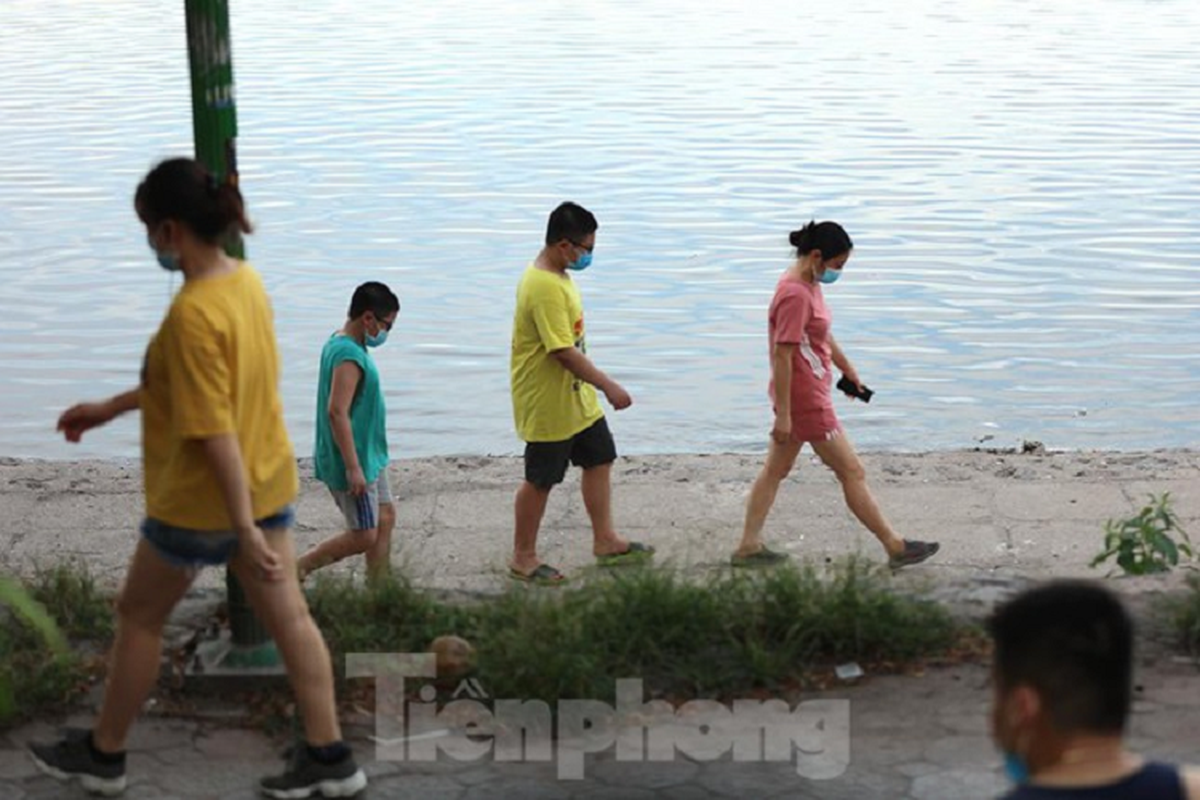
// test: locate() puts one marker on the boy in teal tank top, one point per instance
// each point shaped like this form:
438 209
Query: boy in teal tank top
351 450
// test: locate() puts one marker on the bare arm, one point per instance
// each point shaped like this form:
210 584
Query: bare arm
782 361
1191 782
341 395
80 418
839 359
126 402
582 367
224 455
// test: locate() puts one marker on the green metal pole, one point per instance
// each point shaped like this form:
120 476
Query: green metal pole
214 122
210 56
214 110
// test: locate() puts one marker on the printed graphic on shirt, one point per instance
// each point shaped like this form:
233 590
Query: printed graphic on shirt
581 346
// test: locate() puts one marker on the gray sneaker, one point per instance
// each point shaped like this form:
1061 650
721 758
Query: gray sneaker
71 758
914 553
306 777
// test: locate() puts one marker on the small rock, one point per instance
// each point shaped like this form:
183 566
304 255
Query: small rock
455 655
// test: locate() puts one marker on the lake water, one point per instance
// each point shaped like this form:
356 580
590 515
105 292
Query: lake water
1020 179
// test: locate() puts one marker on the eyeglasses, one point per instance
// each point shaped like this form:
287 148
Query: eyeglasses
581 247
387 326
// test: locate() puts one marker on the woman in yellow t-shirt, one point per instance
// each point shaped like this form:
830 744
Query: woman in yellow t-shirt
220 481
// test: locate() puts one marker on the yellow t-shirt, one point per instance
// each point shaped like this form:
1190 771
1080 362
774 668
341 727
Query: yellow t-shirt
213 368
549 403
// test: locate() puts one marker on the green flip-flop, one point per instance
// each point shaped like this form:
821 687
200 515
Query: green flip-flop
542 575
636 553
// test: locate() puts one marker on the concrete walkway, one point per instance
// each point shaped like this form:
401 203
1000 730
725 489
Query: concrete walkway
996 514
910 737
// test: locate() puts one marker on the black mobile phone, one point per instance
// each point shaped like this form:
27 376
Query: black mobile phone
849 387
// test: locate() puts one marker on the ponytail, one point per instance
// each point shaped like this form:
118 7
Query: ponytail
230 209
183 189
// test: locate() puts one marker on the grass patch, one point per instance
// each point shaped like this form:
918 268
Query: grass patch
38 671
1185 613
683 638
70 595
718 638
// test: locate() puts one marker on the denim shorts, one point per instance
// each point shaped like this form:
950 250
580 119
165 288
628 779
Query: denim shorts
192 549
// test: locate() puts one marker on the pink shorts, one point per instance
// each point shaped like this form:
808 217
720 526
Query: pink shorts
815 426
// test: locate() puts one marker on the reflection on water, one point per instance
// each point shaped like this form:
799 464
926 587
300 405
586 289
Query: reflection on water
1019 179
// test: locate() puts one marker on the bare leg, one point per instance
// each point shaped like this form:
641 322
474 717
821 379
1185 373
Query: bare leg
337 548
530 507
596 486
379 556
284 613
838 454
780 460
152 588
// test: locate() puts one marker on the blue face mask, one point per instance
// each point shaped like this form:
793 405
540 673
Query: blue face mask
581 263
830 275
378 339
168 261
1016 769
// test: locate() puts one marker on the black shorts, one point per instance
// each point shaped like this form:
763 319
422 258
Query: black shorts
546 462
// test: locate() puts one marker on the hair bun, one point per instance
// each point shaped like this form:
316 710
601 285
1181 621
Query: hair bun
828 238
802 239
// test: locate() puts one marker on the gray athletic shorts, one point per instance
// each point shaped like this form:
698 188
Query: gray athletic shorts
362 512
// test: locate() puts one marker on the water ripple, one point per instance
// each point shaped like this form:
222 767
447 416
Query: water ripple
1020 188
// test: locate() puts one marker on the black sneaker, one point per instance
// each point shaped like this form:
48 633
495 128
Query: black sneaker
71 757
914 553
306 777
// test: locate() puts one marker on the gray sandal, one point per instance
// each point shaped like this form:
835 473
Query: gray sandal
914 553
634 554
763 557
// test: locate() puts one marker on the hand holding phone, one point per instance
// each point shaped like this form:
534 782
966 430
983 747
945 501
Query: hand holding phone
852 389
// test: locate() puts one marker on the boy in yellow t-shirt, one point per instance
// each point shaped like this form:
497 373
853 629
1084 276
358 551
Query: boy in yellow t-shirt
555 406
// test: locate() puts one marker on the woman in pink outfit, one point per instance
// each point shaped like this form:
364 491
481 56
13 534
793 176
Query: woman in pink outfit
803 355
